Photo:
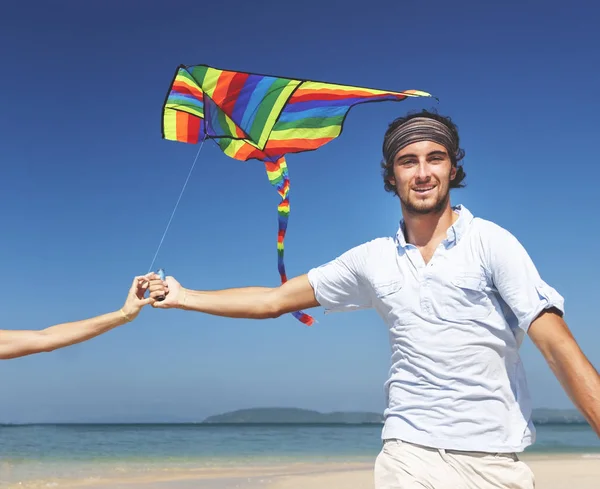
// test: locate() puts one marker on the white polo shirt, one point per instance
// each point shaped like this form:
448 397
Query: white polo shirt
455 325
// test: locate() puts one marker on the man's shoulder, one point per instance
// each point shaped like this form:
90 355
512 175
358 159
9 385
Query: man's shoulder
375 245
495 240
368 251
359 259
490 229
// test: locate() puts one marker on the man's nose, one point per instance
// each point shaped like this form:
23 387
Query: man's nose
423 171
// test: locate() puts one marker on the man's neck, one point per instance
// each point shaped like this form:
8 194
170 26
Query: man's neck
423 230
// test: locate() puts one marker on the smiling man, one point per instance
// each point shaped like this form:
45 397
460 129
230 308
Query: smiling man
458 294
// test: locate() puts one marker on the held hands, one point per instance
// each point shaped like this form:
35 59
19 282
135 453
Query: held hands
170 289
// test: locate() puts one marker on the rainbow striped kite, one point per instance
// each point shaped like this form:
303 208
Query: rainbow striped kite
253 116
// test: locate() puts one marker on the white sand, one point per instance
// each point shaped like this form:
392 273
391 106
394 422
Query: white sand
552 472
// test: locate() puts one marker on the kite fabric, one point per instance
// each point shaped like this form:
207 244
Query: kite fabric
262 117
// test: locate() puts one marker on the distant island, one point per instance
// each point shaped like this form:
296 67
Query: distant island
557 416
274 415
279 415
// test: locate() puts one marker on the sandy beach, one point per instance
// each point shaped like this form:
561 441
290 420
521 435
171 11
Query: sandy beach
552 472
581 471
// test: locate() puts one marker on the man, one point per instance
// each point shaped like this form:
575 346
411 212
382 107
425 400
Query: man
458 294
14 344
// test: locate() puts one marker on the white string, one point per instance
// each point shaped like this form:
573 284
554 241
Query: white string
176 205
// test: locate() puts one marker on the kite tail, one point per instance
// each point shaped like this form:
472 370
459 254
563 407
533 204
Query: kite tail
278 176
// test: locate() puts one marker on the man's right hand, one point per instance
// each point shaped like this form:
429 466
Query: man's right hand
170 288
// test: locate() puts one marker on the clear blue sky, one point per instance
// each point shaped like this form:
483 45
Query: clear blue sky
88 186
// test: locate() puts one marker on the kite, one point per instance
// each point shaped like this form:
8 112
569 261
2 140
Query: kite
262 117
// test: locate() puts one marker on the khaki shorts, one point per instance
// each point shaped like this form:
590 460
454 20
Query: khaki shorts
402 465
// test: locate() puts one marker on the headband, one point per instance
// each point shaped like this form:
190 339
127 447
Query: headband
415 130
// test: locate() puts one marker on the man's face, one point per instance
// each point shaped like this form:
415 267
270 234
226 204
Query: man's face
421 174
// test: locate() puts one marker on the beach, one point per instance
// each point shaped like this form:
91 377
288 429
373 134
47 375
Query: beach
556 471
199 456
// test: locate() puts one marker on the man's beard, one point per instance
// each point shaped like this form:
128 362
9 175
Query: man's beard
422 210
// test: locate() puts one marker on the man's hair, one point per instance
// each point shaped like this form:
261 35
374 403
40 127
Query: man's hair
388 167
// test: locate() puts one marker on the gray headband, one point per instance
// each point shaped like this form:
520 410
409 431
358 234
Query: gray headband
415 130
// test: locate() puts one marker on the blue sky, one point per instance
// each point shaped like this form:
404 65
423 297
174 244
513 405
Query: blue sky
88 186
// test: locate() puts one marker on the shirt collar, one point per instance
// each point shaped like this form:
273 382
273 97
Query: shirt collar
454 233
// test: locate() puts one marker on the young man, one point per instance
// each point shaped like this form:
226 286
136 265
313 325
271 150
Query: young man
458 294
14 344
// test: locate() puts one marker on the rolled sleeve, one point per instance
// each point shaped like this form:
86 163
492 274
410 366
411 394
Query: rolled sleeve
339 285
518 281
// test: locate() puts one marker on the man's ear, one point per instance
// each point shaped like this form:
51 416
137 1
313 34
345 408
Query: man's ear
453 173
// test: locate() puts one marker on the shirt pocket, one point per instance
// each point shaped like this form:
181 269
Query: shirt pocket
465 297
389 299
387 288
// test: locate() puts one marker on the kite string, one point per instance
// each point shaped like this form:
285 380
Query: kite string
176 205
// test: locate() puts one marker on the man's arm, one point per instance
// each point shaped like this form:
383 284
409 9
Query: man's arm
338 285
245 302
539 311
578 377
15 344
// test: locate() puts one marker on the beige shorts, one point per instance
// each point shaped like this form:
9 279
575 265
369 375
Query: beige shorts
402 465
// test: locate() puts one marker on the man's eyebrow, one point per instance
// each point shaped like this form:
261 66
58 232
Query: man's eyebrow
431 153
403 157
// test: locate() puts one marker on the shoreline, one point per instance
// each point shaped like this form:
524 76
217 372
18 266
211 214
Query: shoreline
552 470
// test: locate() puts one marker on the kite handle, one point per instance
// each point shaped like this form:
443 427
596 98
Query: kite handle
161 274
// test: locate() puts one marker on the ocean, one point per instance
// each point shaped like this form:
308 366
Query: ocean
36 452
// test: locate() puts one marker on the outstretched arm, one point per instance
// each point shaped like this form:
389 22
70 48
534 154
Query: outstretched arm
577 375
246 302
15 344
539 311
